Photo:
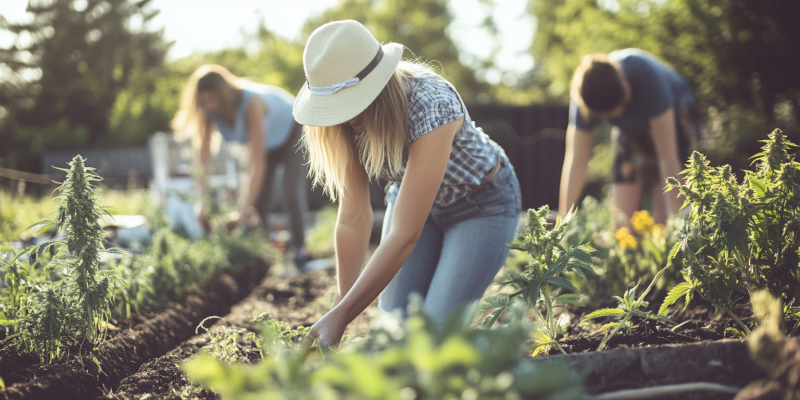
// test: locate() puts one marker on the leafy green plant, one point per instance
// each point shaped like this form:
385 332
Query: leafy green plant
413 359
134 287
544 275
629 307
740 238
635 251
77 306
224 345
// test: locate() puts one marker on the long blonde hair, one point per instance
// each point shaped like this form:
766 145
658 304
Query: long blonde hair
331 148
187 122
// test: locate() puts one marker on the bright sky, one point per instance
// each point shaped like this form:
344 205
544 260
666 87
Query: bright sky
204 25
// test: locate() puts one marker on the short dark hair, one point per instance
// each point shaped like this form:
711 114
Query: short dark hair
599 83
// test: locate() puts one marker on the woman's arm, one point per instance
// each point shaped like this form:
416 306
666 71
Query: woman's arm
353 227
427 162
254 117
204 154
664 135
576 163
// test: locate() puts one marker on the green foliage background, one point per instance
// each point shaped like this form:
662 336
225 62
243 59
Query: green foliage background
736 54
95 78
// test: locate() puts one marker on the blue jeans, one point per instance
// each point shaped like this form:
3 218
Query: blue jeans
461 249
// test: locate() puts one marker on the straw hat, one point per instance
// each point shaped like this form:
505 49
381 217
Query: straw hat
346 69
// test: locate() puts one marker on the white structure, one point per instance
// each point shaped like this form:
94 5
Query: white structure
173 184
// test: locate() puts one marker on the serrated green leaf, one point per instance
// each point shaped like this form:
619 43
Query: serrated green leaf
605 312
557 267
492 318
674 252
533 294
571 298
540 337
674 294
610 325
758 186
561 282
44 222
498 300
115 250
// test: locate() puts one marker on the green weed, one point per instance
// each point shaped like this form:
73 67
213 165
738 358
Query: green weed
740 238
412 359
543 277
629 306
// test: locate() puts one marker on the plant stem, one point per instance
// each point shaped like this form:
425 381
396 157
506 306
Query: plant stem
746 329
615 331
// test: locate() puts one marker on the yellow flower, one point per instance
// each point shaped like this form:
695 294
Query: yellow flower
625 239
642 222
658 230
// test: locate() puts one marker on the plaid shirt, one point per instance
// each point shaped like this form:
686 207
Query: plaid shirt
433 102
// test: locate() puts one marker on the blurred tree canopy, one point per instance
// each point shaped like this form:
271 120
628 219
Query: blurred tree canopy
91 73
740 56
66 69
420 25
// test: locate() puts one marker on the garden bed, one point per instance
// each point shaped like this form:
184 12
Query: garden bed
139 339
298 300
699 324
645 357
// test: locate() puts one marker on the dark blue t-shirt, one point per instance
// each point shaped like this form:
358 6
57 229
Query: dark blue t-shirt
654 87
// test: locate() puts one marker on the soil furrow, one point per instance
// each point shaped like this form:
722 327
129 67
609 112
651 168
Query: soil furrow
124 353
297 300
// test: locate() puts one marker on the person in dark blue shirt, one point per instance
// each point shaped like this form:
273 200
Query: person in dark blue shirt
655 126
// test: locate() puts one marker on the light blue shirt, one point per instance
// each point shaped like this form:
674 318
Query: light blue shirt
278 123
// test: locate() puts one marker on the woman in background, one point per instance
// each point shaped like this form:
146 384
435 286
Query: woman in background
260 116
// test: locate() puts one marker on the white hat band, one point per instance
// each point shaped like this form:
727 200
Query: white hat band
331 89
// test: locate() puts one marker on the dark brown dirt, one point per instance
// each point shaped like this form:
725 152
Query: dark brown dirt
298 300
127 349
704 326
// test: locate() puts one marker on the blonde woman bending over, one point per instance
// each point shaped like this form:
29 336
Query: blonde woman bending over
260 116
453 202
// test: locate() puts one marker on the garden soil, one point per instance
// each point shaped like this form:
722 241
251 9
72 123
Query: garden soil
139 339
298 300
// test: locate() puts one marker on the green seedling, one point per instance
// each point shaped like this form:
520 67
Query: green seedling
543 278
224 345
404 359
629 307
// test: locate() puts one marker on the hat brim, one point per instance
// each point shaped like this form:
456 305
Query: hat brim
333 109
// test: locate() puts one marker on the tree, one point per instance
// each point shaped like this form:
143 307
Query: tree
64 83
738 55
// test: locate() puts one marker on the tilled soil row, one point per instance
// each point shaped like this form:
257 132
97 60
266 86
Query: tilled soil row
124 353
297 300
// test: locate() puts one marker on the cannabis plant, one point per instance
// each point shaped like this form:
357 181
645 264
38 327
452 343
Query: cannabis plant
79 304
740 238
543 278
629 307
416 359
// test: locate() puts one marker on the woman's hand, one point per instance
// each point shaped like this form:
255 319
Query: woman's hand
330 328
201 212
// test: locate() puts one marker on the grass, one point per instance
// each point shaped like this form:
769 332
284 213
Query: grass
18 212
